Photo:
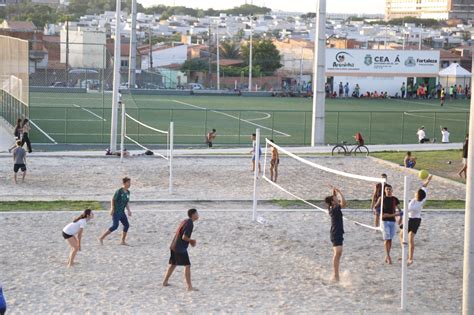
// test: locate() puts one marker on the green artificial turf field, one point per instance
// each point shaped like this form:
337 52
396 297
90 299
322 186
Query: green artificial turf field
85 118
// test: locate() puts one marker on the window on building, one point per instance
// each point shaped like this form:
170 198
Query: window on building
124 63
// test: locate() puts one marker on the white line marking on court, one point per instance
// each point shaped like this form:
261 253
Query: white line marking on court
429 117
43 132
234 117
90 112
431 105
267 116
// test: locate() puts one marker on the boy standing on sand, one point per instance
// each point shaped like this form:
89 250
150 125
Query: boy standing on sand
274 164
179 249
335 206
389 213
19 160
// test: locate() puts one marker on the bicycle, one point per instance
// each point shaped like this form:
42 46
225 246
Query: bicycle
343 148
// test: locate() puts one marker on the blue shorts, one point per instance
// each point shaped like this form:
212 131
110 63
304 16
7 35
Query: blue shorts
388 230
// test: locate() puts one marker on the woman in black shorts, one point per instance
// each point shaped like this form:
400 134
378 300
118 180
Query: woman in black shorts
335 204
72 233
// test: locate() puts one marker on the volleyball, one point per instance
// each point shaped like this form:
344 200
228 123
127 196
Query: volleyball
423 174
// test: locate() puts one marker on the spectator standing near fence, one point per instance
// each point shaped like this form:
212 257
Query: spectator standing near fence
341 89
444 135
403 90
25 137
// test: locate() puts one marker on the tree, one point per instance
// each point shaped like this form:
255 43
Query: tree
229 50
265 55
39 14
195 65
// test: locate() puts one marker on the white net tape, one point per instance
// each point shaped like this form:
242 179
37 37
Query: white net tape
320 167
148 128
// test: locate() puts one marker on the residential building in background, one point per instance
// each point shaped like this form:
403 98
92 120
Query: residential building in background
430 9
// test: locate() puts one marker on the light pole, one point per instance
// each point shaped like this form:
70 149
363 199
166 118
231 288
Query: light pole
319 72
218 59
116 85
250 55
132 63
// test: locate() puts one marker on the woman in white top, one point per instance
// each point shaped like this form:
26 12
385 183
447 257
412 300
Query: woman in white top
72 233
414 217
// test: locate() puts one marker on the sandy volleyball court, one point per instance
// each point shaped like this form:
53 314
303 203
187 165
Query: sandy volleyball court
198 178
239 266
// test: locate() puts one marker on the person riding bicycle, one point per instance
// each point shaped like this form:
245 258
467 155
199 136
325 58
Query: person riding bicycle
358 138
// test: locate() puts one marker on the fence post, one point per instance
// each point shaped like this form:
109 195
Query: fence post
65 124
370 128
466 125
337 128
240 116
403 126
273 123
304 130
434 125
205 122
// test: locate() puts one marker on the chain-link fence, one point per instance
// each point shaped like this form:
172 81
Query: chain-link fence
86 125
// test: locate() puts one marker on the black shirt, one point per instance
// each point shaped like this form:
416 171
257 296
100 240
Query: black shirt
185 228
337 224
389 206
464 149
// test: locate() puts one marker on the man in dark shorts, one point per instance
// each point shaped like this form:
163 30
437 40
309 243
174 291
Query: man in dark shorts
274 162
211 136
414 217
335 206
179 249
19 160
389 214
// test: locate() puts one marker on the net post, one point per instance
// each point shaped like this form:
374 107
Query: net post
404 280
122 133
171 135
255 174
381 206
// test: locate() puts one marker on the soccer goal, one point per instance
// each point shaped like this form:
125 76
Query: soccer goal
153 141
306 181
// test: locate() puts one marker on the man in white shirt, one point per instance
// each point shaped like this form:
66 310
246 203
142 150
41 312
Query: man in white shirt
414 217
422 135
444 135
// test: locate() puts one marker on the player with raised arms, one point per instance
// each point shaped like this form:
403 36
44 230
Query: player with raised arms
335 203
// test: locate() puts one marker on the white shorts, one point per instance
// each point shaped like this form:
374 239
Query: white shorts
464 161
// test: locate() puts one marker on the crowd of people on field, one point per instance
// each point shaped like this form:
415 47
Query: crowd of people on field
407 91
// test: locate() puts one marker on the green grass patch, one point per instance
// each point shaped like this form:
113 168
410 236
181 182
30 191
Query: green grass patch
365 204
60 205
435 162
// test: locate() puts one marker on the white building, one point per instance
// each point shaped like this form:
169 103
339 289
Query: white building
164 56
86 48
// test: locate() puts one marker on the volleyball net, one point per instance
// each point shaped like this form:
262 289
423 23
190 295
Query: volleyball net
306 182
152 140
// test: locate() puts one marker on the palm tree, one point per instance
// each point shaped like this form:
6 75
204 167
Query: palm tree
229 50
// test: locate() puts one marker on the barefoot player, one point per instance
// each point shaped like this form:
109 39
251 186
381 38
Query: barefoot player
179 249
274 162
118 205
335 204
389 214
414 217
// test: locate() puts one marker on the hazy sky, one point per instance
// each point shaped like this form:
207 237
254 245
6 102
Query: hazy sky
333 6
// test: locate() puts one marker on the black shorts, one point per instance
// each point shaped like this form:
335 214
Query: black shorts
209 144
275 162
179 259
17 167
337 240
66 236
413 225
